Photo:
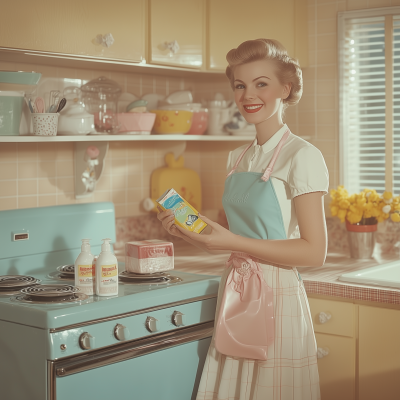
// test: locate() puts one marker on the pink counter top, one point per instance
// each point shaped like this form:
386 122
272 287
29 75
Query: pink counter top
321 280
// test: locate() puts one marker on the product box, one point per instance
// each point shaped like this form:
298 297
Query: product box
149 256
186 216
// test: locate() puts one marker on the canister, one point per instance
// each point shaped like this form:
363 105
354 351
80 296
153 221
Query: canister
11 103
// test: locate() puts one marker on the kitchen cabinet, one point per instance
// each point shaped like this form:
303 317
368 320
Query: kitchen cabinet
179 21
379 353
361 357
335 335
230 22
72 27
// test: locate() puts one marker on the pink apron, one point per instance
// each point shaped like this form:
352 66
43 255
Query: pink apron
245 324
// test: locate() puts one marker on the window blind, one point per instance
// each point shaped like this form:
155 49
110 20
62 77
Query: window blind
364 104
396 104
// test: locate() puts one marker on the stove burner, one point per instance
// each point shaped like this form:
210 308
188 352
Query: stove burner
158 278
12 284
64 272
51 294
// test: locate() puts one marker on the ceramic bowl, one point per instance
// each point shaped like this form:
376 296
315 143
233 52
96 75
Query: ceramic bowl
135 122
199 122
176 122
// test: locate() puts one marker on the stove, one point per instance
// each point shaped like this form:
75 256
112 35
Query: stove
56 343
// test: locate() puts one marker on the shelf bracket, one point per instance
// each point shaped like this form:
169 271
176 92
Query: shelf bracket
89 165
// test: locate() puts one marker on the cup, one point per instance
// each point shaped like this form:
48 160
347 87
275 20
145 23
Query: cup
11 103
45 124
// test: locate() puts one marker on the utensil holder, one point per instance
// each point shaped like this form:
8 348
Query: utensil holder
45 124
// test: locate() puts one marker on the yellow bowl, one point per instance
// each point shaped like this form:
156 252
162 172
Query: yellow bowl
176 122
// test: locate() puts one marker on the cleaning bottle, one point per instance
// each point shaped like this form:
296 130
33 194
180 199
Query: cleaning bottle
106 271
84 271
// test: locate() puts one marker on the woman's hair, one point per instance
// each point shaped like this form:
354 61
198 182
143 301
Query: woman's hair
287 71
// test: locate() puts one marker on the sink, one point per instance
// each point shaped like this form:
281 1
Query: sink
381 275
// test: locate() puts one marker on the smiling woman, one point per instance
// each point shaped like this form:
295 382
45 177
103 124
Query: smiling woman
264 345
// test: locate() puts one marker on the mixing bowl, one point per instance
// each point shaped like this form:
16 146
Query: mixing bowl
176 122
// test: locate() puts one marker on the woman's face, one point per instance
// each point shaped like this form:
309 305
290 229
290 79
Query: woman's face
258 92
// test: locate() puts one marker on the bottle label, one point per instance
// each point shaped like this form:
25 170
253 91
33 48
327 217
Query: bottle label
109 271
86 271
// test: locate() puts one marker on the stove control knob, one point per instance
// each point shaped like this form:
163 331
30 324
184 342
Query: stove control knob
177 318
121 332
86 341
151 324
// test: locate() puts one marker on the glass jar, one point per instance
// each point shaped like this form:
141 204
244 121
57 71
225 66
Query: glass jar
100 97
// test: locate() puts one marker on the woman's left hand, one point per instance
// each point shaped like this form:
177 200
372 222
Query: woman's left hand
218 239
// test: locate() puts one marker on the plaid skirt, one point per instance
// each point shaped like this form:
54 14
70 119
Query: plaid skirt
291 371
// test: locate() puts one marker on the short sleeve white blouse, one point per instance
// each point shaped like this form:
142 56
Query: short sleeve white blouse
299 169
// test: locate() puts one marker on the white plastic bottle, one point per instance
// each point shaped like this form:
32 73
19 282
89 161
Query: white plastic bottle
84 271
106 271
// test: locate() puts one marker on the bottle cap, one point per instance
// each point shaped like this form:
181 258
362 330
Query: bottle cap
106 245
85 245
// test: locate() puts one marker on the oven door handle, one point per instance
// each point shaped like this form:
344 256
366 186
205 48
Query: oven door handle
132 349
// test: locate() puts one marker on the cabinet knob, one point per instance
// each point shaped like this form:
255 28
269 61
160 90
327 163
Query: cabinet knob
322 352
106 40
173 47
324 317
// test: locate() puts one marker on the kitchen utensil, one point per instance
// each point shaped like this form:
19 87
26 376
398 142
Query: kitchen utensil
218 117
100 98
184 180
39 104
176 122
54 96
153 99
135 123
45 124
11 103
61 104
28 103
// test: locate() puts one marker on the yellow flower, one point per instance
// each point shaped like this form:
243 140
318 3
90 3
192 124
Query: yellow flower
395 217
387 195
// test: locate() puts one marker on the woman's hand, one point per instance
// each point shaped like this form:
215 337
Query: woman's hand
167 219
219 238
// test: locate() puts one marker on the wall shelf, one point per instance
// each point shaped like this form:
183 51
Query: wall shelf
125 138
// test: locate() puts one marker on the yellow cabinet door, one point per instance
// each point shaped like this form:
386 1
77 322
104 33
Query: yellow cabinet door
337 368
71 27
379 353
178 22
231 22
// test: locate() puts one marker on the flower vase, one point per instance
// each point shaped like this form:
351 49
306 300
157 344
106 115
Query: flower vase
361 239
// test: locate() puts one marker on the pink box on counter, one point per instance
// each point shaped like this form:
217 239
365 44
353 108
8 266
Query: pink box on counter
149 256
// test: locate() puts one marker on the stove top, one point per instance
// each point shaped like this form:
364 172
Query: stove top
28 308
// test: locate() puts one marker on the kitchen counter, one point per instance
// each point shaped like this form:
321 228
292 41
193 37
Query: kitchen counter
319 280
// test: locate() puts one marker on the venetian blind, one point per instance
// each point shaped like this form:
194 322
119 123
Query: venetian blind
396 104
364 104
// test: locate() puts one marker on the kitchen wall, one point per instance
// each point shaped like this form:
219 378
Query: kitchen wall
41 174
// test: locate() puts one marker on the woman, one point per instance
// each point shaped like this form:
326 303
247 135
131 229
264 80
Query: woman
273 199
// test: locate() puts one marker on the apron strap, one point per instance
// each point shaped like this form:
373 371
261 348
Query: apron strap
271 164
277 150
239 159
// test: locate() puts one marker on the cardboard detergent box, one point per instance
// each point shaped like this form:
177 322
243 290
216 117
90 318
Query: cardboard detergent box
186 216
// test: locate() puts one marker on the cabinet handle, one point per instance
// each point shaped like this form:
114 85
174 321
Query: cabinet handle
322 352
324 317
173 47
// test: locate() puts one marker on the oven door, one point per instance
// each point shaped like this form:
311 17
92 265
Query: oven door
164 366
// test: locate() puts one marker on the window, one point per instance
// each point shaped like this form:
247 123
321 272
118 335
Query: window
369 73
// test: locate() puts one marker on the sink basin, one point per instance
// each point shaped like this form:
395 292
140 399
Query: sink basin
381 275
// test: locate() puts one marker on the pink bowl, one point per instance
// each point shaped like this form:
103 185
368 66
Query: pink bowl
134 122
199 123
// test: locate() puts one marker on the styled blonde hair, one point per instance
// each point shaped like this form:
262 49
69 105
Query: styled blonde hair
287 71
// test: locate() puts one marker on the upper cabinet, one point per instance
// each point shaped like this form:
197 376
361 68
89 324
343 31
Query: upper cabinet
193 34
72 27
231 22
176 32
